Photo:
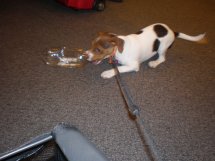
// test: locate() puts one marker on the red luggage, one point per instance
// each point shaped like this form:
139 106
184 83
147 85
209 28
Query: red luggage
84 4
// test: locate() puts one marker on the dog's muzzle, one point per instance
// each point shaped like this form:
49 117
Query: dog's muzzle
90 57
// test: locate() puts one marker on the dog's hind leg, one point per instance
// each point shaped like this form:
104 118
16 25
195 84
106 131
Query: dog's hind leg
161 58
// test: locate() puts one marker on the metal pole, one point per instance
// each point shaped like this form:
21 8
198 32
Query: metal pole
26 147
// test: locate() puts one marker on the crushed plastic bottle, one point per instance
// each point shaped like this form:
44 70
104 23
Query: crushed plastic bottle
58 57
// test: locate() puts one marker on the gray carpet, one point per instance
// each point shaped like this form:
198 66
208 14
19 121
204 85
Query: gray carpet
176 99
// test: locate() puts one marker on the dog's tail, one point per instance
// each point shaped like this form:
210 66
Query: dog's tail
199 38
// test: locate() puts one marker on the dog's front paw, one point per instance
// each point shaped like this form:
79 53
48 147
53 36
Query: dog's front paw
108 74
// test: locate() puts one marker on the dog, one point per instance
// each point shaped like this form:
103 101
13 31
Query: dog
131 50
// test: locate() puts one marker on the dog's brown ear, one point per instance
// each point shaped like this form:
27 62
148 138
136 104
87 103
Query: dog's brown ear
119 43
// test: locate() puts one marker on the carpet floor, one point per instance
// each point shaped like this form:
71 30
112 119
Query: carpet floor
176 99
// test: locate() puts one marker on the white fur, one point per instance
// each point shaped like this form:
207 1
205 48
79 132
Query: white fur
139 48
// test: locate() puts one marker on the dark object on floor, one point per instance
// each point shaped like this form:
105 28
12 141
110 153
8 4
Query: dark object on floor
71 145
117 0
98 5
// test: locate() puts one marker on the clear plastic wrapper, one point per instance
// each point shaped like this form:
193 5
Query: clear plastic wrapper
66 58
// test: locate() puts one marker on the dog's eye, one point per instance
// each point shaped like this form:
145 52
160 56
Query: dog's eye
97 50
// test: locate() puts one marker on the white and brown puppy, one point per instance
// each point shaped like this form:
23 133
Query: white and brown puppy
131 50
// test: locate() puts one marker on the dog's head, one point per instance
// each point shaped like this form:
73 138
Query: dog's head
104 46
